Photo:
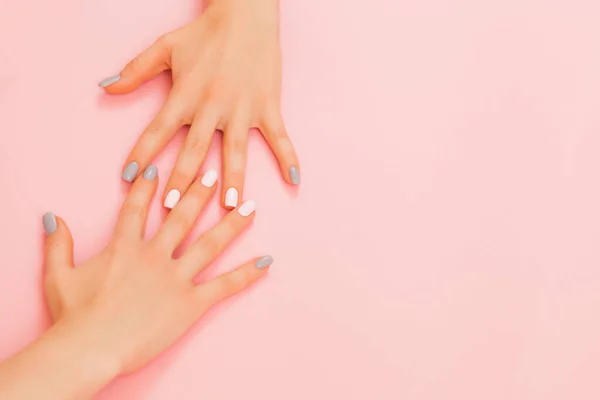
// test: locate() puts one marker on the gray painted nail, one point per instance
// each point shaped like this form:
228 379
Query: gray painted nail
151 173
109 81
294 175
49 222
130 171
264 262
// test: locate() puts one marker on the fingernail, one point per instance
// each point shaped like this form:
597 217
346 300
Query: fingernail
231 197
130 171
264 262
294 175
109 81
172 198
209 178
247 208
49 222
151 173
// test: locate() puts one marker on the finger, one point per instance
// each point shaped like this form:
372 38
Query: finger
212 243
190 157
154 139
233 282
273 129
145 66
181 220
235 146
59 244
134 212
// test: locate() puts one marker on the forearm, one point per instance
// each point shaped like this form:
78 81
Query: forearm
67 362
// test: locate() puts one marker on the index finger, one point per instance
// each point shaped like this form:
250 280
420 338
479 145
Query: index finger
154 138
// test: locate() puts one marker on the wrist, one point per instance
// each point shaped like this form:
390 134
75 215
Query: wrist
67 362
265 10
83 338
247 3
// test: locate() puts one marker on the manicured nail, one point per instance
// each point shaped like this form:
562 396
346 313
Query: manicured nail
109 81
294 175
231 197
151 173
247 208
264 262
49 222
130 171
209 178
172 198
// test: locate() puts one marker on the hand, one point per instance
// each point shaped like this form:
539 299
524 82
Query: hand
134 296
226 69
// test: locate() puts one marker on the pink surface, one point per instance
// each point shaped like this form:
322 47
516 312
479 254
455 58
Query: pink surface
444 243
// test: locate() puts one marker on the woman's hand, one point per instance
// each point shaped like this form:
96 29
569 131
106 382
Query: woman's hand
134 296
120 309
226 69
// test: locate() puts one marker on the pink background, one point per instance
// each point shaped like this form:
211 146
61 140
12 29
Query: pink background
443 245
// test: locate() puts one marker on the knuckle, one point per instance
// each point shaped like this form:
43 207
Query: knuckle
120 244
229 230
197 194
219 92
51 281
165 41
54 245
163 121
231 227
279 132
183 174
235 281
196 144
237 143
133 209
170 117
155 128
180 223
212 243
134 65
275 129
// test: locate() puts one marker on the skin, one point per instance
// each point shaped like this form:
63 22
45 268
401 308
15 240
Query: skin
117 311
226 70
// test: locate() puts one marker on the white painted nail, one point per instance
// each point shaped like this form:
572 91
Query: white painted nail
172 198
247 208
209 178
231 197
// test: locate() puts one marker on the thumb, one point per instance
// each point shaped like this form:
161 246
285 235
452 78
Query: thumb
153 61
59 244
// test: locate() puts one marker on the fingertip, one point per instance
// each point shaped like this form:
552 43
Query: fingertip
134 211
236 281
173 195
230 198
50 223
247 209
264 262
121 87
63 228
209 179
148 177
109 82
294 175
130 172
119 84
151 173
171 199
145 181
